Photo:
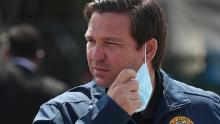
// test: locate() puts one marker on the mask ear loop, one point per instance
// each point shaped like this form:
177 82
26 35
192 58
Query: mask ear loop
145 49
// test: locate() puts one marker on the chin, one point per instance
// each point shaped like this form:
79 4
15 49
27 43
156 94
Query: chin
102 83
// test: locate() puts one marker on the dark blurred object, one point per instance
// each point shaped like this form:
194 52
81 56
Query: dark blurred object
64 52
22 88
210 77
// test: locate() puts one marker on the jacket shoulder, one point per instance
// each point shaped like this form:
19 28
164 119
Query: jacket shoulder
191 102
66 107
202 102
77 94
197 93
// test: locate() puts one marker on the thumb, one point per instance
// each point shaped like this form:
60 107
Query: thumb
124 76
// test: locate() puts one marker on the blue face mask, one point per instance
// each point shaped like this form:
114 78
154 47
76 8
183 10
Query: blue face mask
145 87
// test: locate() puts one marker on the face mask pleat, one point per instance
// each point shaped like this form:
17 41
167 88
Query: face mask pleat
145 87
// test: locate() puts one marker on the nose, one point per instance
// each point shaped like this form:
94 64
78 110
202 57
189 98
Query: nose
98 53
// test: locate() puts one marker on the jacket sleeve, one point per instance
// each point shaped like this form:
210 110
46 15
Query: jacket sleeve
48 114
105 111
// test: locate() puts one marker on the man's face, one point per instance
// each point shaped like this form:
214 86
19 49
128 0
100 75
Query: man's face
110 47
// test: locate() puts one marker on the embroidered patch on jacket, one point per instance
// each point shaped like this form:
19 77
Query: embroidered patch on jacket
180 120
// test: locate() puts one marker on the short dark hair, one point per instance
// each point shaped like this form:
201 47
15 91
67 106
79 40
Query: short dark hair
24 40
147 20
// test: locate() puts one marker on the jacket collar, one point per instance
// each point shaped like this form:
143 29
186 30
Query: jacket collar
174 93
173 98
97 91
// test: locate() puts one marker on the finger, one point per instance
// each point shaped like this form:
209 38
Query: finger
137 103
132 85
134 96
125 75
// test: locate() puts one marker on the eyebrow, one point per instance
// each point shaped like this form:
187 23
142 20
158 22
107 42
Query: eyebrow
106 39
113 39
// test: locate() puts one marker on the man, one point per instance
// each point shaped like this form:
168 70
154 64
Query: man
122 37
22 88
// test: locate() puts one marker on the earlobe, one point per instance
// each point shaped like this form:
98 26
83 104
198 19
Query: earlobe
151 49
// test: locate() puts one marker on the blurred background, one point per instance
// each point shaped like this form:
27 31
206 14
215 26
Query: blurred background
193 48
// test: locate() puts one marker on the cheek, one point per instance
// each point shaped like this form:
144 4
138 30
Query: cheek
88 54
117 61
128 60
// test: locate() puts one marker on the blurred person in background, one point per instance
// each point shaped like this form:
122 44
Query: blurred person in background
22 88
62 27
126 42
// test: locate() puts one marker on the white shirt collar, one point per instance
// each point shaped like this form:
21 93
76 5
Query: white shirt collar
26 63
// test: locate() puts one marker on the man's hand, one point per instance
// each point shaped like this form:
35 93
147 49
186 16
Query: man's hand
124 91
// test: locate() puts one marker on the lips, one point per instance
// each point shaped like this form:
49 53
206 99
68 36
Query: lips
100 72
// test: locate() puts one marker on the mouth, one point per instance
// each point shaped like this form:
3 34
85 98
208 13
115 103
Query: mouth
100 72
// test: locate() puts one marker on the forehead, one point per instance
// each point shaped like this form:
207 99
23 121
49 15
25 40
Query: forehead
108 22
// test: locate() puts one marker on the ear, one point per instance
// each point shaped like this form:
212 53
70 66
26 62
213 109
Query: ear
6 55
40 54
151 49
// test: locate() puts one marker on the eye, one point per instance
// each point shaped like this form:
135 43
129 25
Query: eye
112 43
89 39
90 42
